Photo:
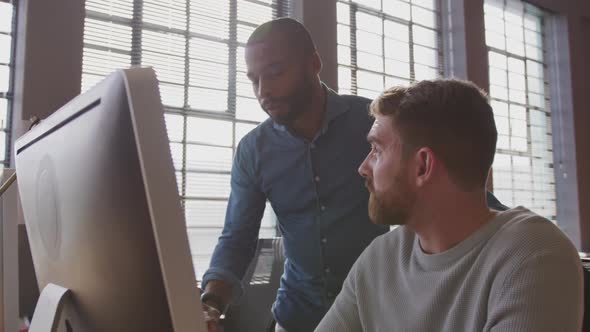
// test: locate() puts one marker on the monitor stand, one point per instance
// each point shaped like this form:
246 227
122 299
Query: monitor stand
53 311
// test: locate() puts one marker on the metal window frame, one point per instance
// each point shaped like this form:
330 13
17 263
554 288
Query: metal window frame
355 8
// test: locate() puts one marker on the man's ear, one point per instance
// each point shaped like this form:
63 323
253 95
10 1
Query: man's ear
425 165
316 62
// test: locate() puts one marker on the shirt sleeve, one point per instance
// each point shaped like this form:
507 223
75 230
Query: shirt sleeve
237 243
544 293
344 314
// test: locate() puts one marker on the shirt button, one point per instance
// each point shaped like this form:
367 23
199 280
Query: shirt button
327 270
317 179
324 240
323 208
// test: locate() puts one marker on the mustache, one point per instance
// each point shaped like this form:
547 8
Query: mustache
369 185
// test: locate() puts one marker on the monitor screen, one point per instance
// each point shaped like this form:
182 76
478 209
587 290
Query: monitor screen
102 209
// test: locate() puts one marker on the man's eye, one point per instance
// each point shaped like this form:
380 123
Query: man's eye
275 72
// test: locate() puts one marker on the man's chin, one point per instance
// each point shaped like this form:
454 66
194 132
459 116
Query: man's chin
283 118
380 215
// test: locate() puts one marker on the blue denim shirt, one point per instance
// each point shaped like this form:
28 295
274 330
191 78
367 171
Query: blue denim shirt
320 201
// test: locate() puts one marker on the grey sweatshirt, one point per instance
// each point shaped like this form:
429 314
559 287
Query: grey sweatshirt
518 272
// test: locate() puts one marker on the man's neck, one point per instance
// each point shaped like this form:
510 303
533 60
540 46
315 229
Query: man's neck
311 121
439 228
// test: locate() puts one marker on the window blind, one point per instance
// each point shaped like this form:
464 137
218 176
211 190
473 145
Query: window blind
382 43
519 88
197 50
6 65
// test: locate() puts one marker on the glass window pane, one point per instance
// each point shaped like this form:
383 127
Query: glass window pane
424 36
242 129
515 46
343 13
397 31
371 94
516 66
394 81
515 32
166 13
368 23
120 8
370 81
3 113
397 50
500 108
343 35
207 99
174 126
4 78
498 77
495 40
199 213
397 68
199 157
369 42
369 61
425 55
249 109
516 81
495 24
253 13
344 55
375 4
209 131
102 63
344 78
499 92
207 185
517 112
244 32
176 150
518 128
422 72
535 69
428 4
497 60
532 22
208 50
397 8
424 17
5 17
534 53
208 74
502 125
5 48
533 38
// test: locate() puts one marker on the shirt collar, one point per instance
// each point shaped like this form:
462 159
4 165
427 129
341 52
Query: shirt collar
335 106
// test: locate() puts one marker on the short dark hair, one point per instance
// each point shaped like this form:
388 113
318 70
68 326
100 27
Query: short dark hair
450 116
291 30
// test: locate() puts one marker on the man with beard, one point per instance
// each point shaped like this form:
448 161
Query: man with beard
303 160
454 264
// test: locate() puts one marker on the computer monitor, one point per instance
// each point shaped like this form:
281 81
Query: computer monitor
103 213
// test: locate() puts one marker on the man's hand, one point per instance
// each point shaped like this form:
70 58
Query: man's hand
214 306
212 318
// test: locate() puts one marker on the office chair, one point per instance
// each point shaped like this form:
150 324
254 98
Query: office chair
261 281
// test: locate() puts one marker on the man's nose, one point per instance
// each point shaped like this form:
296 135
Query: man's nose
364 168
